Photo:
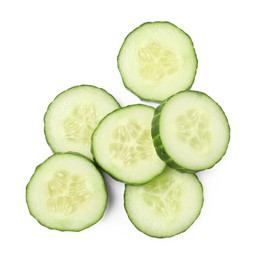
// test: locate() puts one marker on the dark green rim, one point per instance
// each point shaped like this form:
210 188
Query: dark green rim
124 42
105 168
169 236
157 139
67 230
54 150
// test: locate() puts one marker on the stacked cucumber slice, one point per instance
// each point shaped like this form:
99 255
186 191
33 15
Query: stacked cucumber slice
190 131
165 206
122 145
155 152
67 192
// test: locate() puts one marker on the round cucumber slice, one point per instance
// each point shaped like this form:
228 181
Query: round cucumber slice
72 117
167 205
66 193
123 147
190 131
157 60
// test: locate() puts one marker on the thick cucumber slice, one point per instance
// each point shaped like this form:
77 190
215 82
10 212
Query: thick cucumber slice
73 115
66 193
157 60
190 131
167 205
123 147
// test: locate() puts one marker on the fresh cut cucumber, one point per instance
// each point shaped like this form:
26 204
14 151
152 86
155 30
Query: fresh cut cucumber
190 131
72 117
123 147
157 60
66 193
167 205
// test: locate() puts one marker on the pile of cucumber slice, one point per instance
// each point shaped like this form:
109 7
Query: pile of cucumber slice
154 151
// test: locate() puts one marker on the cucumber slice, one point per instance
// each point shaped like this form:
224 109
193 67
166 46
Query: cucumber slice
157 60
167 205
66 193
123 147
72 117
190 131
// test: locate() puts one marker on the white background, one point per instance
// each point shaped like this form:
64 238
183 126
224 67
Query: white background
49 46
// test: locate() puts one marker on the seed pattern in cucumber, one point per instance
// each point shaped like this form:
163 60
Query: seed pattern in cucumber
67 193
192 128
80 125
163 194
190 131
155 62
122 145
131 143
72 117
167 205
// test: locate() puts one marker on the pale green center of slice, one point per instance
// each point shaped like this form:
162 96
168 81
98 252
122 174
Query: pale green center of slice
67 193
192 128
163 195
156 62
80 124
131 142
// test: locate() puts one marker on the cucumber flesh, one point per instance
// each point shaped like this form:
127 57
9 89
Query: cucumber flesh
122 145
167 205
157 60
67 193
190 131
72 117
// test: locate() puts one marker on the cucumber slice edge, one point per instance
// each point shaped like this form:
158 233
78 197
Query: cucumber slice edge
165 154
132 90
50 144
175 234
102 167
59 229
